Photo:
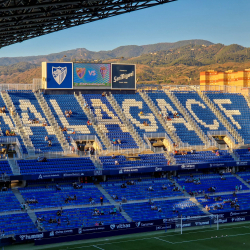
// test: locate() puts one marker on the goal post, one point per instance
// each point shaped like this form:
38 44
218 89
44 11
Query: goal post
197 222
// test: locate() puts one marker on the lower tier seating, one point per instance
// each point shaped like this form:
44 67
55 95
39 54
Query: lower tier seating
56 165
143 211
80 217
51 197
17 224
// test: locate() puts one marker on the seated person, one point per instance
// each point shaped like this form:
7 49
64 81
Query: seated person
151 202
154 207
223 177
116 163
159 209
164 187
70 112
124 200
150 188
103 93
115 197
49 143
44 124
46 138
207 208
217 153
58 187
123 185
141 113
89 123
113 156
119 141
114 141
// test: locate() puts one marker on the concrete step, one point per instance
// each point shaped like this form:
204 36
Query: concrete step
113 202
15 169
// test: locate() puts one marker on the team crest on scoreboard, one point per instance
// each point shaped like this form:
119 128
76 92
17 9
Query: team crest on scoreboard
59 74
80 72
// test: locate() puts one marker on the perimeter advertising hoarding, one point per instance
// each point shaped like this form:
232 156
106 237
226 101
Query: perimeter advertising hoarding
57 75
92 75
123 76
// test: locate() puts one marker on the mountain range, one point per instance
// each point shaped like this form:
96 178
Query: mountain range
168 63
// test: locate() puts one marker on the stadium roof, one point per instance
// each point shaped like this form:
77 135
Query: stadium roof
24 19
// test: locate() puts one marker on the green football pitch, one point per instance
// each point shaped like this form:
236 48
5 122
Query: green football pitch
227 237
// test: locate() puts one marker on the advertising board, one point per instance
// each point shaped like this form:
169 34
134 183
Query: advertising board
123 76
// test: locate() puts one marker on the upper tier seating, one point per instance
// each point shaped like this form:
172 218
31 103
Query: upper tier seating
5 168
64 165
17 224
142 211
244 154
235 109
212 180
132 105
8 202
200 112
203 156
50 197
8 124
80 217
146 160
28 107
108 121
243 201
77 121
140 191
179 125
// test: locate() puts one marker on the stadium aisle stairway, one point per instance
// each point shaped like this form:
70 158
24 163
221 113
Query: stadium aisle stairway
8 124
132 105
179 125
27 107
199 111
235 109
77 121
109 122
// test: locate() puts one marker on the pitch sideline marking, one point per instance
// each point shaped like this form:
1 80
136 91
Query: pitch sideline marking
163 240
98 247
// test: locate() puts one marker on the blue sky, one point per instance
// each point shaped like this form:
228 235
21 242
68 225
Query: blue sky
219 21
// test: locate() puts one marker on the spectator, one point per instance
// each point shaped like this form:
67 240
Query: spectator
50 143
116 163
58 187
150 188
103 94
123 185
164 187
101 200
89 123
46 138
113 156
114 141
141 113
119 141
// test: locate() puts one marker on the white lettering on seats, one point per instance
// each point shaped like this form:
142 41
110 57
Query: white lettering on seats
79 129
165 107
99 106
127 104
24 105
189 104
229 113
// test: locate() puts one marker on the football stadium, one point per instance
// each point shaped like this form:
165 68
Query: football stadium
91 160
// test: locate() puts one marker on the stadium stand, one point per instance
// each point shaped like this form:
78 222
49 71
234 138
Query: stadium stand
17 224
144 211
8 124
51 197
77 121
235 109
9 202
243 154
214 203
200 112
139 191
81 217
132 105
149 160
179 125
63 165
204 156
29 109
203 183
5 168
109 122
